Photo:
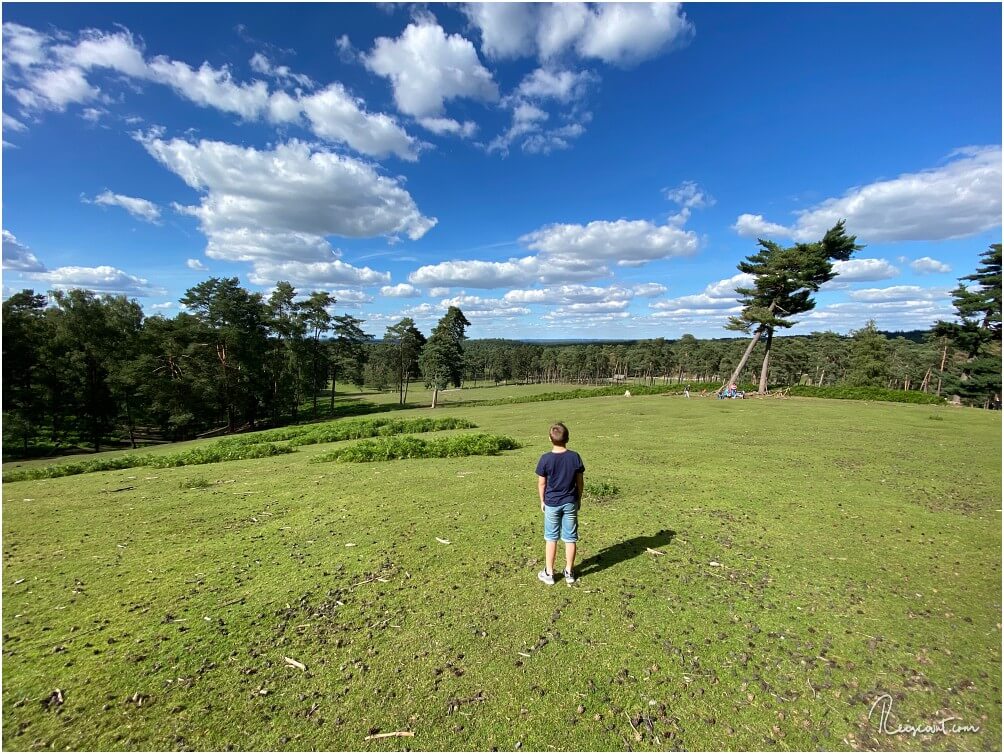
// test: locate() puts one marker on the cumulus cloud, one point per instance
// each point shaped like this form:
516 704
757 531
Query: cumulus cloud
401 290
567 253
622 34
142 209
561 85
195 264
899 293
929 265
626 242
690 196
955 200
102 279
863 270
50 73
907 314
476 307
449 126
716 297
161 307
336 115
426 67
17 256
276 206
293 191
648 290
754 226
323 275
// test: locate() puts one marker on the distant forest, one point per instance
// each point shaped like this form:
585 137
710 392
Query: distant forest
81 369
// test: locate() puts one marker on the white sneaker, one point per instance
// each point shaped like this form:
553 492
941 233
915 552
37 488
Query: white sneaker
547 578
569 576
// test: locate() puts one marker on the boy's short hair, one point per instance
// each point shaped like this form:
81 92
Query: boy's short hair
559 433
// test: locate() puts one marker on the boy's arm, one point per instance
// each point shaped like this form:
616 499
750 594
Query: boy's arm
580 484
541 485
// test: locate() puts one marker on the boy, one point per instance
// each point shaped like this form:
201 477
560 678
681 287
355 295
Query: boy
559 482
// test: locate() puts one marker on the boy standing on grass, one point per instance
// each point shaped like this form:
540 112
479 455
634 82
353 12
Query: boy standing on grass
559 482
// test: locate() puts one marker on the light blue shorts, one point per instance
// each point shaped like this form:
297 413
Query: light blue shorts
563 518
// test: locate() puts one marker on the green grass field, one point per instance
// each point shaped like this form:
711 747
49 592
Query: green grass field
816 554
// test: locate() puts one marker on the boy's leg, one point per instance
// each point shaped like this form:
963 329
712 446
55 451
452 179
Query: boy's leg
569 555
550 550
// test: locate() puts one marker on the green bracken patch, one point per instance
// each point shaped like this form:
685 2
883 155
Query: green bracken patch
866 394
601 490
211 453
392 448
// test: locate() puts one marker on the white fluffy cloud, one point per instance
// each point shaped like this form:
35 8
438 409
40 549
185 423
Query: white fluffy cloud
899 293
17 256
321 275
626 242
716 297
957 199
575 294
477 307
929 265
292 190
336 115
449 126
51 73
401 290
566 254
274 208
142 209
617 33
754 226
102 279
195 264
557 84
426 67
863 270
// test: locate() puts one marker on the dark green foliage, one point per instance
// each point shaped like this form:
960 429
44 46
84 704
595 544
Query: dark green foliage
866 393
391 448
976 336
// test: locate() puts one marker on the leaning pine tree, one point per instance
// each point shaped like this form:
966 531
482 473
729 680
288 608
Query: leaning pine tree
784 280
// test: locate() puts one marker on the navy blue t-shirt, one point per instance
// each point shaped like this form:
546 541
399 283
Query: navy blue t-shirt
560 469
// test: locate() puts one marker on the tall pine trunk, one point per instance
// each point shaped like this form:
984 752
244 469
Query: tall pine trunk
746 356
765 369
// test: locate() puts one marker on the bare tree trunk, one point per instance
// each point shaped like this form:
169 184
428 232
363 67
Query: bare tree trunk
941 372
745 358
821 375
765 369
435 395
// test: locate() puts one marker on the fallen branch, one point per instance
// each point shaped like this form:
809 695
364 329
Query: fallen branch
395 734
654 552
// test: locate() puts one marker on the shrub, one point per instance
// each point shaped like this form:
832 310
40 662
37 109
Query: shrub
337 431
390 448
216 453
602 490
213 453
865 394
597 392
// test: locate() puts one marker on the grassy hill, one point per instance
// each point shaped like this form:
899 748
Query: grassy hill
815 555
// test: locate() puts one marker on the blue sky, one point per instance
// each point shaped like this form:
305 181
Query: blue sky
573 170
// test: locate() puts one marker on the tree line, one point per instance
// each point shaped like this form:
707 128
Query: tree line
82 369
